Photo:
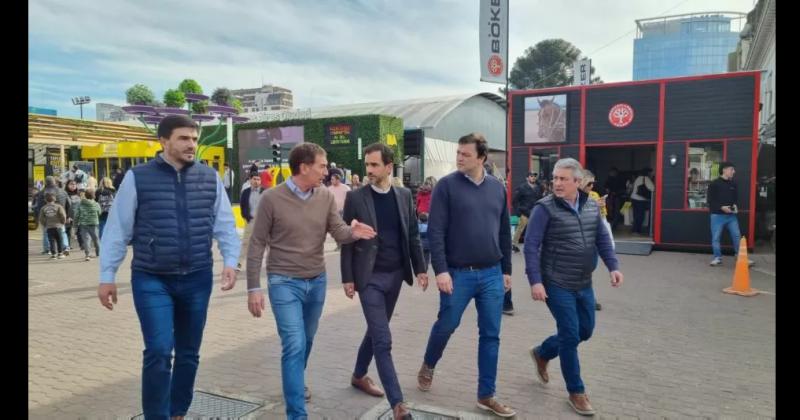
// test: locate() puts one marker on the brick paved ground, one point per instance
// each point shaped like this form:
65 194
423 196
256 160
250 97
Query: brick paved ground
667 344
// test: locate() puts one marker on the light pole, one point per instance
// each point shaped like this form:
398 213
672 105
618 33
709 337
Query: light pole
80 100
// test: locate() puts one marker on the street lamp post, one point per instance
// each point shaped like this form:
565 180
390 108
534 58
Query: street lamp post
80 100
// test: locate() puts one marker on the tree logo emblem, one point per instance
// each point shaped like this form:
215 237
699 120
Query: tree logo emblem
621 115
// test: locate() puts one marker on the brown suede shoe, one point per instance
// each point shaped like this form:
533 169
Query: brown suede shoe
401 412
425 378
365 384
580 402
541 365
491 404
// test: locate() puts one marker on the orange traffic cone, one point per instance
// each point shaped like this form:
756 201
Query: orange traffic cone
741 276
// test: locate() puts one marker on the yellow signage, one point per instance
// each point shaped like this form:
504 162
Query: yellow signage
38 173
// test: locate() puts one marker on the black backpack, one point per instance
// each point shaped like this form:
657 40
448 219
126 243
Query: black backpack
643 191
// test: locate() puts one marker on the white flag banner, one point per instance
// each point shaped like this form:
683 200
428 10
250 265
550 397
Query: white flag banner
494 40
582 72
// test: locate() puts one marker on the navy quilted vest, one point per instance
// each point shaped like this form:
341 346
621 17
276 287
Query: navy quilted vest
174 217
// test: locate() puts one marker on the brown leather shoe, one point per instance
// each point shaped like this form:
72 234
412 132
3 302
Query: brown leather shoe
401 412
541 365
491 404
580 402
365 384
425 378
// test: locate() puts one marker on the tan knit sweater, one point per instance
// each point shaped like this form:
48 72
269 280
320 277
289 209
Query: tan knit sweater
294 231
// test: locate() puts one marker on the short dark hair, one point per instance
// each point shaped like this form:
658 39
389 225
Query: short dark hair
336 175
255 175
423 217
387 154
89 194
171 122
49 197
480 144
724 165
304 153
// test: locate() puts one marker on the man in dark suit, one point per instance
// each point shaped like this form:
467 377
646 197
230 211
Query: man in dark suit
377 267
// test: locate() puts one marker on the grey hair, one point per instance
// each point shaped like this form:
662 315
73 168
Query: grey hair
572 164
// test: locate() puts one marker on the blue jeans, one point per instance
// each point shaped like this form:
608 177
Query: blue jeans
574 314
486 286
102 225
377 301
172 312
297 305
718 222
64 239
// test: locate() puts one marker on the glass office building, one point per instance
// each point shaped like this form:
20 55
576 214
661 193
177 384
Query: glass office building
685 45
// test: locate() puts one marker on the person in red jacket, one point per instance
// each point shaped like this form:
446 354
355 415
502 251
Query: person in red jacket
266 177
424 195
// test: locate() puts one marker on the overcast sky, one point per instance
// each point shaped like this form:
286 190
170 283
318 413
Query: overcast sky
326 52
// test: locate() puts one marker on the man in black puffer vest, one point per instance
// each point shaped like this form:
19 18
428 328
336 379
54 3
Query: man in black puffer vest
563 235
169 209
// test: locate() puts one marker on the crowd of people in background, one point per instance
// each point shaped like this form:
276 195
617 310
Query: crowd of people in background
72 210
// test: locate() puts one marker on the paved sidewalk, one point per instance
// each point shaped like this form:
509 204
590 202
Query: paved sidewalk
668 344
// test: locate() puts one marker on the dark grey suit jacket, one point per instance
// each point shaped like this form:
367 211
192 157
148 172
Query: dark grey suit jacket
358 258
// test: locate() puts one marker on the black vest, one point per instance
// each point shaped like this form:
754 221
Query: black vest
568 247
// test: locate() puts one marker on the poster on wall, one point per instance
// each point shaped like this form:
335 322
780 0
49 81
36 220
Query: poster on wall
546 119
339 135
255 145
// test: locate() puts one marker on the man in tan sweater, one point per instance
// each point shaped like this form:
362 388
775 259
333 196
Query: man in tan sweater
292 220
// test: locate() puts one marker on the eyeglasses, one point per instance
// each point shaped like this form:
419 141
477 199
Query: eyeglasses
590 184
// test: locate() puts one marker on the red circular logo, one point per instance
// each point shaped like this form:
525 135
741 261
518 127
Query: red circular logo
495 65
621 115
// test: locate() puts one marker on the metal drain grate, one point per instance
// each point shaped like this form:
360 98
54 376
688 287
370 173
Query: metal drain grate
382 411
419 415
205 405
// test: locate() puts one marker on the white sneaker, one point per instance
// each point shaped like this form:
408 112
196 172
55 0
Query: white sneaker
715 262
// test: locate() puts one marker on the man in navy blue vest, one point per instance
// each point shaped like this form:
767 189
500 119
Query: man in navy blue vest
169 209
563 236
470 239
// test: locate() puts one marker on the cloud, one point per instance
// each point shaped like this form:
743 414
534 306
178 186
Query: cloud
327 52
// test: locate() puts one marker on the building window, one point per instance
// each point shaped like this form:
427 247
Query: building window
703 167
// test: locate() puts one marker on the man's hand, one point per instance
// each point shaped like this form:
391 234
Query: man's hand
228 278
538 293
362 230
106 291
349 289
726 209
507 282
255 302
444 283
422 280
616 278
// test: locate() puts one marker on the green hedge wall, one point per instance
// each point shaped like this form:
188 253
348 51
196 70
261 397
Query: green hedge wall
371 129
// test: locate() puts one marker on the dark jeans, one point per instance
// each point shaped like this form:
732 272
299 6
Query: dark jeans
69 228
89 235
573 311
486 287
377 301
507 303
172 312
56 240
639 209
